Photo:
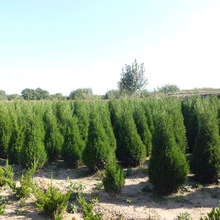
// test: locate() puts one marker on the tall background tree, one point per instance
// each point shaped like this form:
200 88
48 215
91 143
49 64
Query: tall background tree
82 93
37 94
132 80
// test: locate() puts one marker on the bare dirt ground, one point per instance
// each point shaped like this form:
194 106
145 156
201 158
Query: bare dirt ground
136 201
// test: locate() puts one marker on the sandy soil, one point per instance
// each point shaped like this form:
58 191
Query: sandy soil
136 201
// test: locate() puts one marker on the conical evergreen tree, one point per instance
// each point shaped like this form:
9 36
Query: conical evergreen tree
148 114
104 113
190 114
98 152
174 109
81 111
33 148
168 168
115 111
63 111
142 127
206 152
114 179
53 139
5 130
73 144
18 132
130 148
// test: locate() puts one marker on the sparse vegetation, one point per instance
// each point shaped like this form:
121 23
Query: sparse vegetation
53 203
114 179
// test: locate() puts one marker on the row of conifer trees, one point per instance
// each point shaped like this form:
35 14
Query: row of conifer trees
97 133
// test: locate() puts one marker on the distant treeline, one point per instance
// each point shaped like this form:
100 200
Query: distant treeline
87 94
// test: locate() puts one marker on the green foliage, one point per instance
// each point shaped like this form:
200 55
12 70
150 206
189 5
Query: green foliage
112 94
75 189
81 111
88 210
3 202
14 97
2 95
53 203
130 148
37 94
6 175
142 127
27 185
72 208
148 114
213 215
168 89
190 114
2 208
174 110
98 152
33 148
5 130
115 111
58 97
104 113
184 216
83 93
63 112
132 79
206 153
17 115
168 168
114 178
73 144
53 139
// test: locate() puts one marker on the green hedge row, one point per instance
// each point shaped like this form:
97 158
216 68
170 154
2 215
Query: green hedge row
97 133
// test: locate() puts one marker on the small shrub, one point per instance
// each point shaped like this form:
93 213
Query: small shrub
2 209
75 188
19 211
3 202
88 210
213 215
6 175
72 208
27 185
129 201
114 179
53 203
94 201
98 186
184 216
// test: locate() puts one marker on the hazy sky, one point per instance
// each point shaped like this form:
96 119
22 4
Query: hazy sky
62 45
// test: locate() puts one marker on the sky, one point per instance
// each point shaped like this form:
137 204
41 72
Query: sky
61 46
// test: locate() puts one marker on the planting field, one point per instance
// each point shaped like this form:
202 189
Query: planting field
117 159
136 200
